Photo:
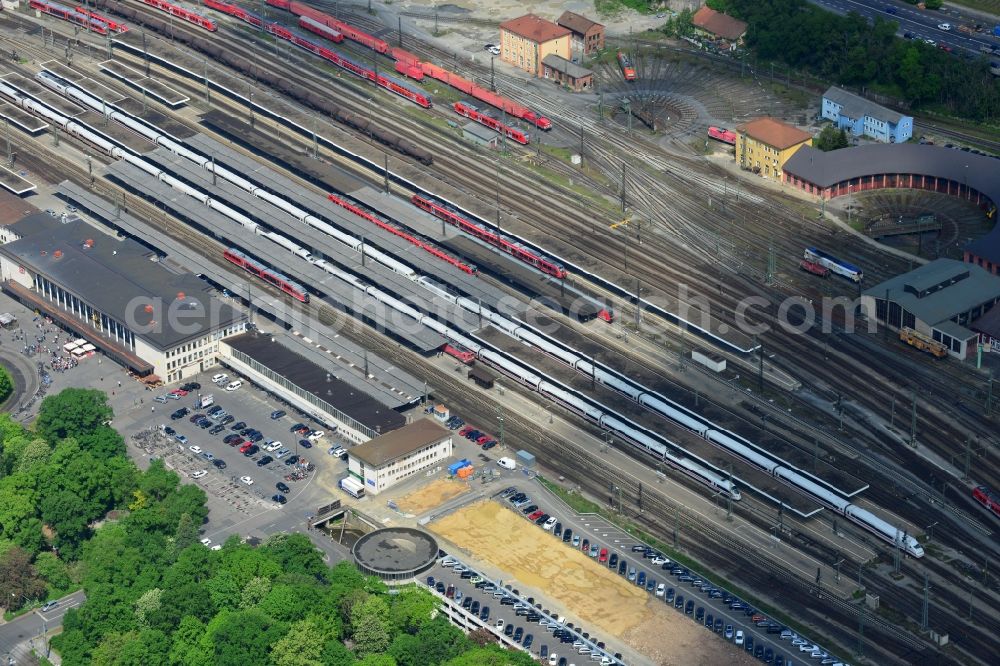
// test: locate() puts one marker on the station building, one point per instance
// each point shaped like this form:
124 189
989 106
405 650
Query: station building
158 322
310 388
718 26
527 40
764 145
588 36
941 299
862 117
567 73
385 461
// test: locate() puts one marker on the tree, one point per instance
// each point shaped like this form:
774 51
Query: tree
18 506
55 572
186 534
482 637
296 554
377 660
6 384
244 638
492 655
147 605
412 608
74 412
336 653
301 646
34 455
831 139
19 582
370 626
254 592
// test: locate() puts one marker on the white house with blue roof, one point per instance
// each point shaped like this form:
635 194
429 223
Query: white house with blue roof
862 117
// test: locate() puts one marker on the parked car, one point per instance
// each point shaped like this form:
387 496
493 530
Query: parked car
280 499
277 414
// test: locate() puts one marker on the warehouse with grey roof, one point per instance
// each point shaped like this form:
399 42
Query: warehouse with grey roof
941 299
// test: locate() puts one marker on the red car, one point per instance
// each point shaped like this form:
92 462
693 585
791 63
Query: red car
179 391
603 556
944 47
536 515
482 439
245 447
464 431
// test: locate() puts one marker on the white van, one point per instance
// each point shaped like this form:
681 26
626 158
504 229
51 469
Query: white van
205 401
232 386
507 463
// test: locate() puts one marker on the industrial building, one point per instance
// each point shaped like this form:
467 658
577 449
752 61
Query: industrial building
941 299
385 461
764 145
718 26
480 135
159 323
309 387
526 40
862 117
988 328
587 35
569 74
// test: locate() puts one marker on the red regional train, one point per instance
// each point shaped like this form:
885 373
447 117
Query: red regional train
390 84
409 65
495 239
472 113
723 135
985 496
374 218
181 13
113 26
321 29
269 275
67 14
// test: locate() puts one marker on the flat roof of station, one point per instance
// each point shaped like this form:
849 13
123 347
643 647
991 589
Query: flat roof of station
386 382
339 293
14 183
140 81
318 381
21 118
399 247
40 92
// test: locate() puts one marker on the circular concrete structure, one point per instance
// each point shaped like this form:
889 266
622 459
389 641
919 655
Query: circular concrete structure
395 553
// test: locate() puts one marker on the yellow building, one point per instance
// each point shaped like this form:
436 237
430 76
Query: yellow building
765 144
525 41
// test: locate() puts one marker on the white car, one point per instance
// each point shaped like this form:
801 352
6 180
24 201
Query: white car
206 542
219 378
549 524
739 637
500 623
273 446
944 26
232 386
200 473
661 589
247 480
657 561
217 547
314 435
195 449
553 659
495 50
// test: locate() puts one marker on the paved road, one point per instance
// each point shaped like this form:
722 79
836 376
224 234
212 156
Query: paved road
921 23
19 636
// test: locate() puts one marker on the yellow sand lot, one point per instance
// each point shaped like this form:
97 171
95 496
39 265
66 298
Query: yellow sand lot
432 495
497 536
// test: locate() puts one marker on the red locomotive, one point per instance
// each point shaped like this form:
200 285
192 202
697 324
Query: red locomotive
985 496
181 13
487 235
269 275
472 113
723 135
814 268
628 70
460 352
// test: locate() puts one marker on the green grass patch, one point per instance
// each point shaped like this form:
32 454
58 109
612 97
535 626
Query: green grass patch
575 500
608 8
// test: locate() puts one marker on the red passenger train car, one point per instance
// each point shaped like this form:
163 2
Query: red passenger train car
269 275
472 113
496 239
113 26
181 13
988 498
71 15
235 10
321 29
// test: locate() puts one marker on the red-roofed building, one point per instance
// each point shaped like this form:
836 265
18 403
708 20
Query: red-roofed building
526 40
763 145
717 25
